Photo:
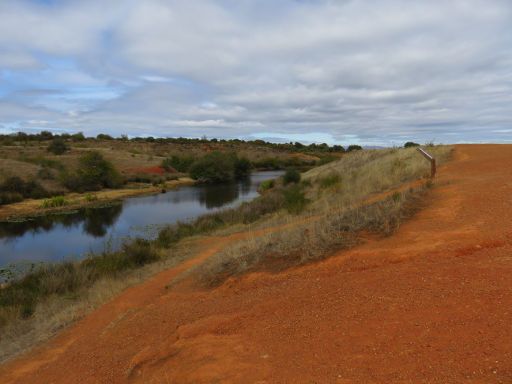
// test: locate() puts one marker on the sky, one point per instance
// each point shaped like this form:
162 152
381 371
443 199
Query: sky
378 72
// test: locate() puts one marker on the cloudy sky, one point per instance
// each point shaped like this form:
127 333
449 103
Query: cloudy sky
349 71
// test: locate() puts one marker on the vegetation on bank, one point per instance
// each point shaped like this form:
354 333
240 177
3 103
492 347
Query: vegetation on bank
14 189
92 174
217 167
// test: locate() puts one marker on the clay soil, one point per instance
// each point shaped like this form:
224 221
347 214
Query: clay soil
431 304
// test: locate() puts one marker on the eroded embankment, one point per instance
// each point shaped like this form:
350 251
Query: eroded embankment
429 304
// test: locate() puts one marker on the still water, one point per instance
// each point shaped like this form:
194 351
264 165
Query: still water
61 237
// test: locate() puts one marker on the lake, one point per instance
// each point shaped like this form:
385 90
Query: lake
60 237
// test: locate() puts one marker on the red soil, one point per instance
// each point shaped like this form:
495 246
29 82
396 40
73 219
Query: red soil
155 170
431 304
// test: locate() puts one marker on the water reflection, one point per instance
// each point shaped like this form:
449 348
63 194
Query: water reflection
52 238
216 196
95 222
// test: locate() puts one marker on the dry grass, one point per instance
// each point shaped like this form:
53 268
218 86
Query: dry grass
364 191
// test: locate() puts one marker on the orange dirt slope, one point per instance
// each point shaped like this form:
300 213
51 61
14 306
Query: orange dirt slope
431 304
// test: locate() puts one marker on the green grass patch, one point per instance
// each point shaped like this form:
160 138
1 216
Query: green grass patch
54 202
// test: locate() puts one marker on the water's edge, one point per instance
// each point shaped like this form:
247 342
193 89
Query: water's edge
74 235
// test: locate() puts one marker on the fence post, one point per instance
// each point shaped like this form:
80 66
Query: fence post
432 160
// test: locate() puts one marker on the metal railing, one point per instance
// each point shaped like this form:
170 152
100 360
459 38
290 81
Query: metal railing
432 160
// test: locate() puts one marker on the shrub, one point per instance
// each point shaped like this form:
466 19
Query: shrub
179 163
411 144
13 187
10 197
216 167
57 146
93 173
291 176
242 167
139 252
294 198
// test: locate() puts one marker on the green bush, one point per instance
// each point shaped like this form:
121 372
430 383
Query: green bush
291 176
242 167
295 200
179 163
10 197
266 185
411 144
93 173
217 167
58 146
14 189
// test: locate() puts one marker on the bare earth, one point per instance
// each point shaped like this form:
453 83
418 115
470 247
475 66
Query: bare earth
431 304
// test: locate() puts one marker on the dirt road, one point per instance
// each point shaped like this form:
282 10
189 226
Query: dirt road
431 304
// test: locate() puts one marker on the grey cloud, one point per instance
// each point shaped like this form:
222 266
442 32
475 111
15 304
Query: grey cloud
355 70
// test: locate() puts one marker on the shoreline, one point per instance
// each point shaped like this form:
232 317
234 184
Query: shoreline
31 208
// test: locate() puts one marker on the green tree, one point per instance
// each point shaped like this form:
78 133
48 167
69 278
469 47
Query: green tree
411 144
215 167
103 136
242 167
354 147
93 173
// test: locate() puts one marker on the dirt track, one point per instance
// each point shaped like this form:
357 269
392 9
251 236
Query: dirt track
431 304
